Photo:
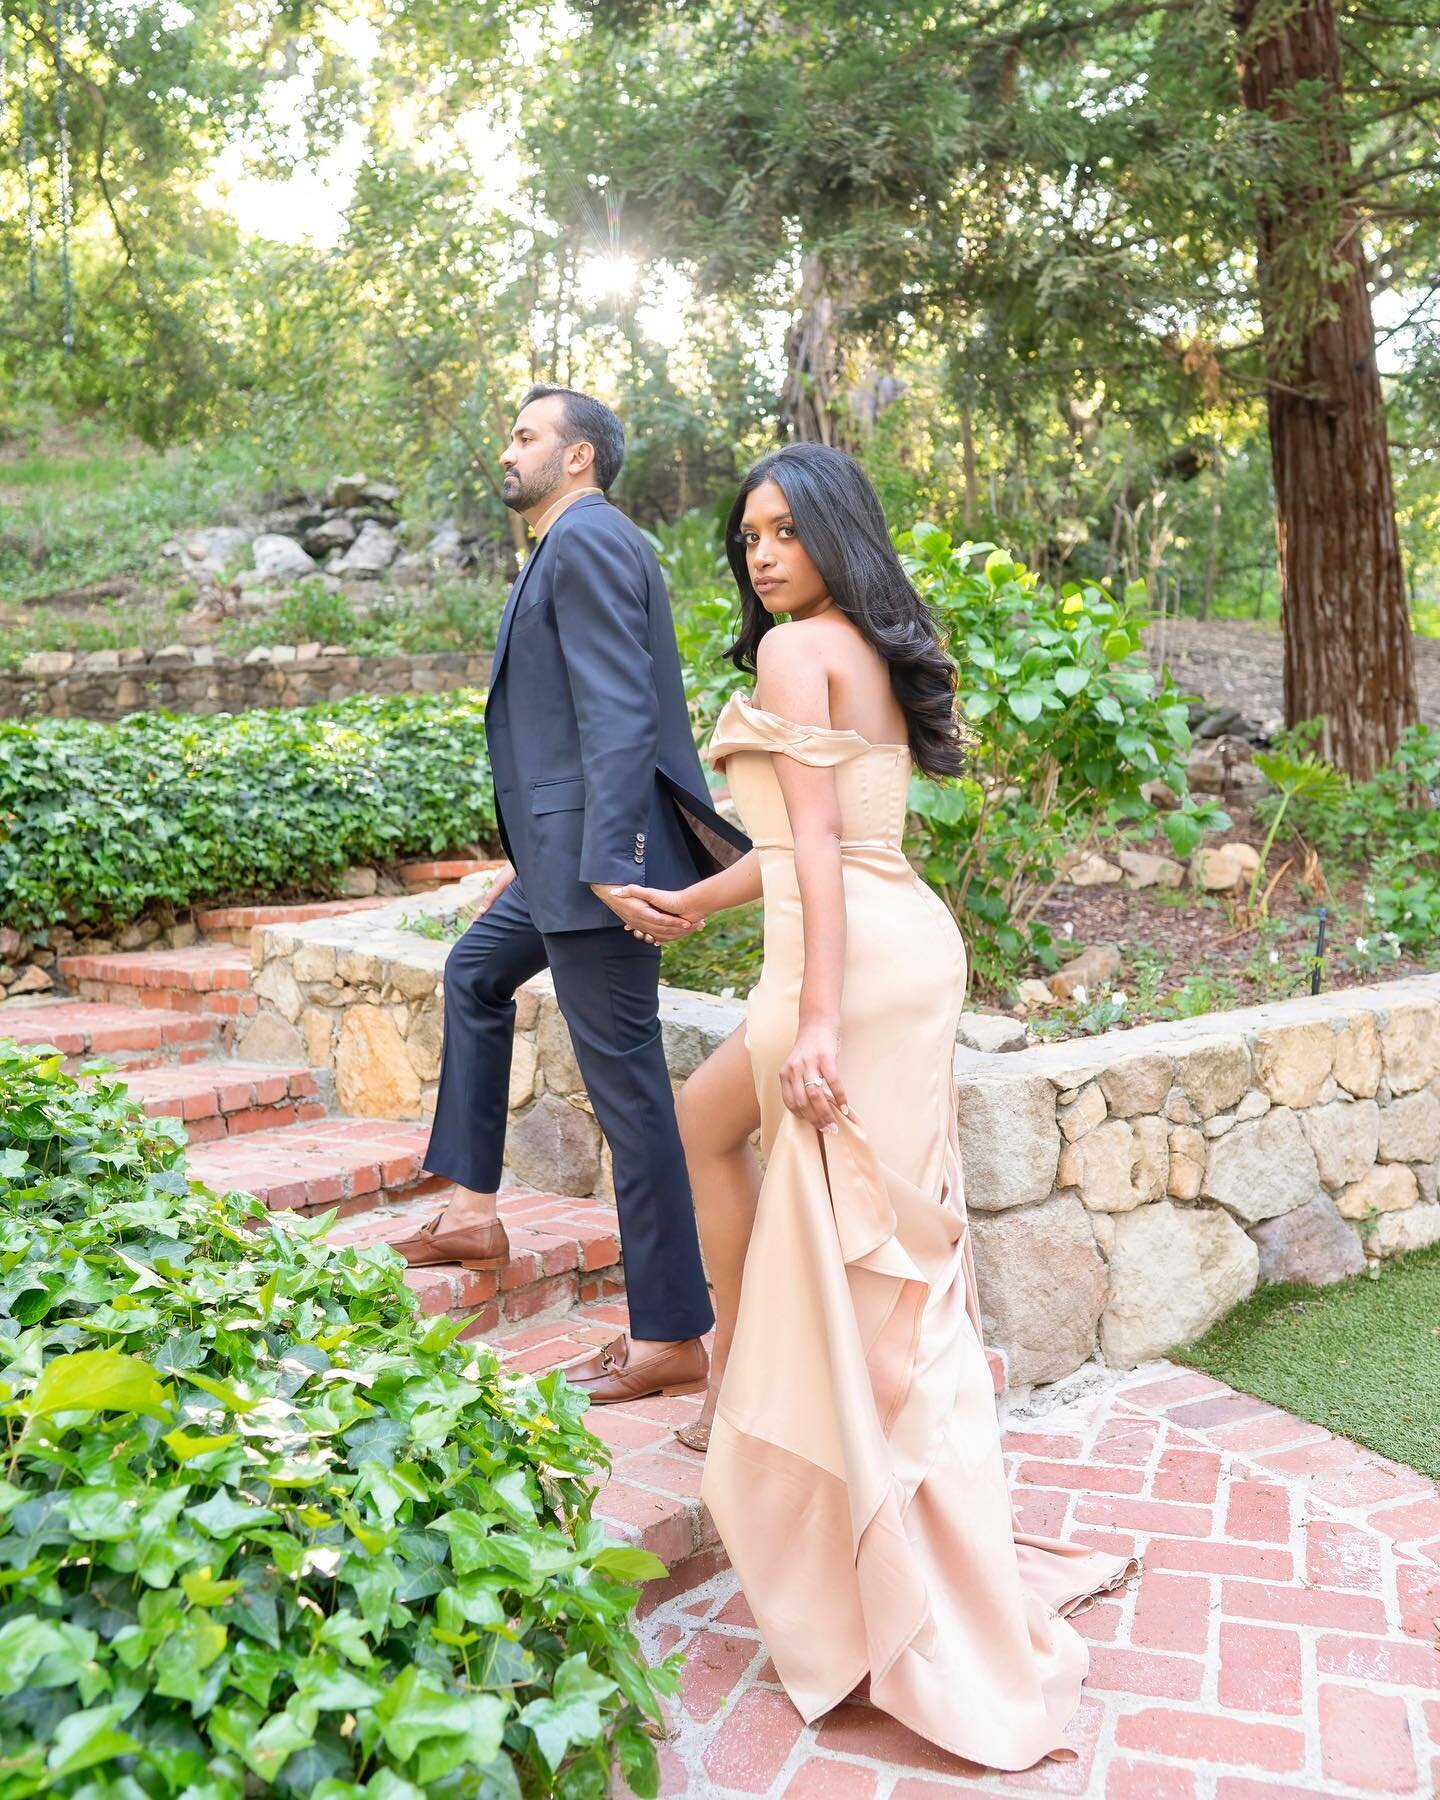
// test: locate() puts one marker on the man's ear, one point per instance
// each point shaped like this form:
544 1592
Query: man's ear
580 457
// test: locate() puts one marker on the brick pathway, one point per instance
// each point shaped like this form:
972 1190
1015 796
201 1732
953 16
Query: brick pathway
1282 1640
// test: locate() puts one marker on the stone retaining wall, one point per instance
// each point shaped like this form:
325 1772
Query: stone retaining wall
1124 1191
109 684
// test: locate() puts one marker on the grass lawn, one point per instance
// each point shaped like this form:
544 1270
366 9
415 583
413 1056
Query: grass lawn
1361 1358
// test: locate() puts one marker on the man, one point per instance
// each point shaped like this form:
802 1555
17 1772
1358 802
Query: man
597 785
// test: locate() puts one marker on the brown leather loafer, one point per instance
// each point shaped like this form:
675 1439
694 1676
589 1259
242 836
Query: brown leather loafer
615 1374
471 1246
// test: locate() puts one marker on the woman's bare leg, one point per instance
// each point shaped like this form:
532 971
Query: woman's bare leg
718 1113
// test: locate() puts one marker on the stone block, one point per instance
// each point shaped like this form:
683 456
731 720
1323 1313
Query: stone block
359 882
1083 1114
1136 1084
1174 1270
412 980
374 1078
1009 1140
1357 1056
360 968
276 984
557 1054
1119 1165
313 962
1410 1128
1144 871
1213 1072
425 1040
990 1032
1094 966
1410 1045
524 1067
555 1147
270 1039
1262 1168
1389 1187
1344 1137
317 1027
1042 1284
1292 1061
1312 1244
1187 1162
1398 1232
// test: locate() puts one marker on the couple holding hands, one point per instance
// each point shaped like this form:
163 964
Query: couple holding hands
853 1462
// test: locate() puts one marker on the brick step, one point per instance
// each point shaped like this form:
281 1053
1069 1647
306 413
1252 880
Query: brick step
233 924
207 978
562 1253
226 1099
351 1165
420 875
125 1035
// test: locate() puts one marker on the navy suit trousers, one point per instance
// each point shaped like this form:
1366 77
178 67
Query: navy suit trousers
607 987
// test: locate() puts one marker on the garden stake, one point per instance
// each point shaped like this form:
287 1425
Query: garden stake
1319 959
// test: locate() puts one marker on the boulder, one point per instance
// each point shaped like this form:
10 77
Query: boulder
344 490
1174 1270
1262 1168
1145 871
1344 1136
335 534
359 882
1389 1187
1009 1140
1042 1284
1357 1056
1293 1061
1223 869
1312 1244
1213 1072
374 1078
1410 1128
555 1147
372 552
1093 871
1096 964
1118 1165
1398 1232
279 560
991 1032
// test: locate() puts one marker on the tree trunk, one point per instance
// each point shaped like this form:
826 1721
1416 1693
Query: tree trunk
814 407
1348 657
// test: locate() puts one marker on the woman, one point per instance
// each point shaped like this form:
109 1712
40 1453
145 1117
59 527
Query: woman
854 1467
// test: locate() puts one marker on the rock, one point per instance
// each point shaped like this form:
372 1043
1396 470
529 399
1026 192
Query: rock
48 662
1178 1108
557 1055
372 552
1311 1244
374 1078
1093 871
1187 1163
1410 1045
1094 965
1009 1140
101 662
271 1039
1159 794
32 979
282 653
1389 1187
1252 1106
424 1042
277 984
259 654
1292 1061
317 1029
1031 995
1223 869
524 1066
1042 1284
335 534
137 935
168 655
446 550
991 1032
313 962
1410 1128
1213 1072
1145 871
13 944
1357 1056
280 560
1118 1165
359 883
182 934
379 493
210 552
1083 1114
1262 1168
412 981
1344 1136
1137 1084
344 490
1174 1270
555 1147
1398 1232
361 968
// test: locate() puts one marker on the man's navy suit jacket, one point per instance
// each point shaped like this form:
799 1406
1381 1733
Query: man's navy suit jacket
597 779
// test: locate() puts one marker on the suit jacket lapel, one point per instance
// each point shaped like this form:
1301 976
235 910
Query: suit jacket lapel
502 636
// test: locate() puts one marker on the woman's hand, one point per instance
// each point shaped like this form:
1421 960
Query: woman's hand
810 1077
658 915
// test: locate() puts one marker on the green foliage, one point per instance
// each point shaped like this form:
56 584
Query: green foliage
1069 723
722 958
262 1529
456 613
1297 778
98 821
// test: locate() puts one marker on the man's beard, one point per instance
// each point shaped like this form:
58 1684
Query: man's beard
522 494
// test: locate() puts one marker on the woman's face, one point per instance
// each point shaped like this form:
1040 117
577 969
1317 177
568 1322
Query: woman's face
781 572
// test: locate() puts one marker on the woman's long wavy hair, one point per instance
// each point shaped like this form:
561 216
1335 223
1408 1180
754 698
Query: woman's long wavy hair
839 520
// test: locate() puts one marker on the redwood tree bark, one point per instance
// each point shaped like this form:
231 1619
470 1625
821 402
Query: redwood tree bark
1348 657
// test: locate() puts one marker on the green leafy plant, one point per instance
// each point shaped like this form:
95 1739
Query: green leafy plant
99 821
1297 777
263 1530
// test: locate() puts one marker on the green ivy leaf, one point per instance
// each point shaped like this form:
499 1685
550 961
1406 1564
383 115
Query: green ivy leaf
89 1381
572 1712
86 1738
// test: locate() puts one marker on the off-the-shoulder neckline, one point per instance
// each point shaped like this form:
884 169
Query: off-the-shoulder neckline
824 731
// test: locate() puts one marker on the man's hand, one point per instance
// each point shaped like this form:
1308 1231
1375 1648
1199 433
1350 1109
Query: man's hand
639 911
504 875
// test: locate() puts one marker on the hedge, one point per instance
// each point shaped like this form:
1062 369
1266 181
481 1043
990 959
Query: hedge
99 821
262 1530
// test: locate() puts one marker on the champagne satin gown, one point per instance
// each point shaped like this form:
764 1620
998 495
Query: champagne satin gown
854 1470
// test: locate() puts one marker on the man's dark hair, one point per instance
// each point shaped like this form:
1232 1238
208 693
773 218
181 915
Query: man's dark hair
588 421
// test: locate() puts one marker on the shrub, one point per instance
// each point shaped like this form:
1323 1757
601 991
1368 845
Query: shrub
1069 724
261 1529
98 821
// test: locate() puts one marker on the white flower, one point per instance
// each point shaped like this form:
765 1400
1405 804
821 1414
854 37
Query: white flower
1068 928
1119 997
1369 898
1362 945
1274 957
1078 994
